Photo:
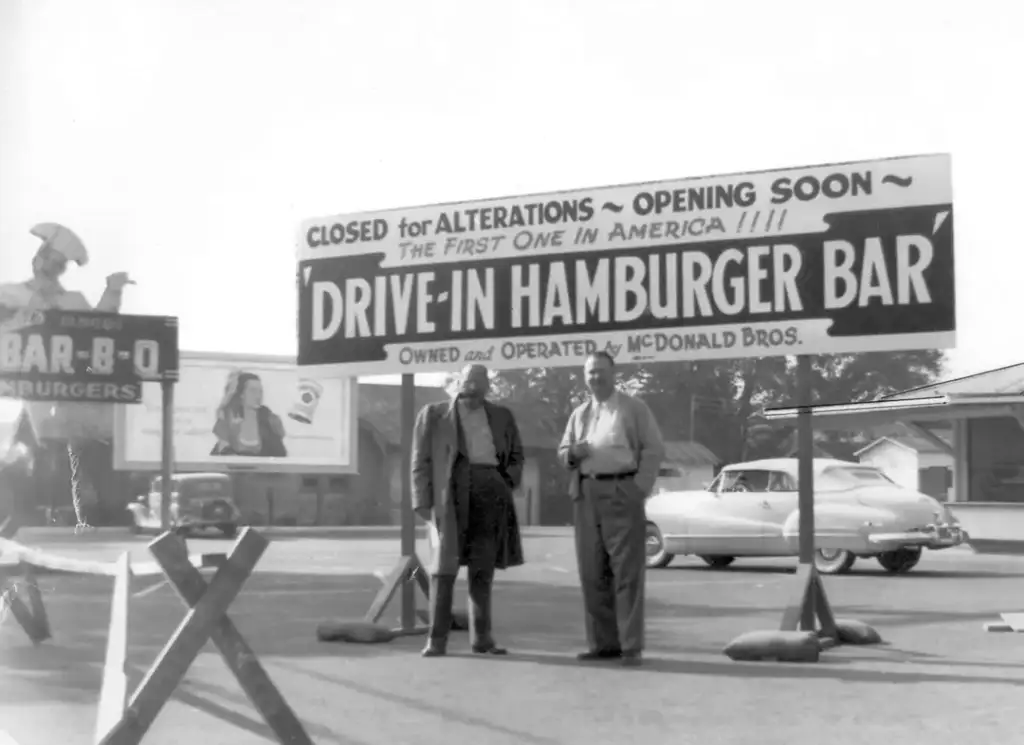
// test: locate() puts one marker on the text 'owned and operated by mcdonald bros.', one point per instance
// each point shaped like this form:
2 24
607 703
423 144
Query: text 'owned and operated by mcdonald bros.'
843 258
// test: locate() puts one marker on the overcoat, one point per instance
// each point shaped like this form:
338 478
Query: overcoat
440 482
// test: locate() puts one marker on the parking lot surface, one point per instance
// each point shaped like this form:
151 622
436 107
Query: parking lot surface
938 678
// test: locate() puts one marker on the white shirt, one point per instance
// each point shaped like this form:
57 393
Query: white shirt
610 451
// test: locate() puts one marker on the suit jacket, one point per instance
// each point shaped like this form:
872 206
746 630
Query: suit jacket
438 485
641 431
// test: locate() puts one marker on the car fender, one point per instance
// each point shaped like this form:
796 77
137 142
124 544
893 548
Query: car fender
135 509
839 526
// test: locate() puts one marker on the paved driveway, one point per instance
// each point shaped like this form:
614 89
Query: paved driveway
939 679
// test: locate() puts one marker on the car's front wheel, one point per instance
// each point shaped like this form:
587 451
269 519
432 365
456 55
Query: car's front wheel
718 562
900 561
657 557
833 560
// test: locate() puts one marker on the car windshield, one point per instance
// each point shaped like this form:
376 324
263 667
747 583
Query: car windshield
840 478
207 488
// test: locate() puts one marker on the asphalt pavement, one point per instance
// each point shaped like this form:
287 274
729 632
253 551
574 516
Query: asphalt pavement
939 677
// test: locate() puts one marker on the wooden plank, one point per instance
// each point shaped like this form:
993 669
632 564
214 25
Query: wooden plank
391 584
24 616
9 528
237 654
793 614
114 692
1014 620
998 627
35 599
824 609
420 575
70 565
191 635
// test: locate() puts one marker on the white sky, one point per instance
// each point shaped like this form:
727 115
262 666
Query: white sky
184 140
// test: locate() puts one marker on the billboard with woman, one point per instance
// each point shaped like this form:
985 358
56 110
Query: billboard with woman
242 412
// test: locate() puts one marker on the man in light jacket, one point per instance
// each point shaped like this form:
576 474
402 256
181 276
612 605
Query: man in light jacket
613 449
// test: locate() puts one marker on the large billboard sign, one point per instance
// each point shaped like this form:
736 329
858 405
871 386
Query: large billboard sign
849 257
59 355
245 413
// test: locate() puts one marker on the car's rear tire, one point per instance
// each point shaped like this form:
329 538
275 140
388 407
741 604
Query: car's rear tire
229 531
718 562
833 561
901 560
656 556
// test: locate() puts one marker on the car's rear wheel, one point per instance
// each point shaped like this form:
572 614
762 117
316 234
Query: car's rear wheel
657 557
718 562
833 560
900 561
229 531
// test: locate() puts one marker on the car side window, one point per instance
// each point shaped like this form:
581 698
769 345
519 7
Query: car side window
781 481
746 481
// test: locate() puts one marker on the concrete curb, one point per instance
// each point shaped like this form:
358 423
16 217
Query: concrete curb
365 532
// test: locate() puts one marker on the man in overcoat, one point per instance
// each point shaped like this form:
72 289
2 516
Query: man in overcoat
467 459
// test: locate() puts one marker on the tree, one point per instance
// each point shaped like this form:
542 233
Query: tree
716 402
746 386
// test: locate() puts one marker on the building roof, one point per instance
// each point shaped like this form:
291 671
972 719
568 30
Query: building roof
900 433
1009 379
688 453
917 444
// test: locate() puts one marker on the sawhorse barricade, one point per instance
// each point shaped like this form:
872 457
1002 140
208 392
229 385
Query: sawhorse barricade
408 569
32 617
32 562
124 720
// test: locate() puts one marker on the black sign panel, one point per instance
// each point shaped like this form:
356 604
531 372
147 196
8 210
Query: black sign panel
58 355
831 259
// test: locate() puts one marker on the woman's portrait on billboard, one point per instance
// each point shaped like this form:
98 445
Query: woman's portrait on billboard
244 425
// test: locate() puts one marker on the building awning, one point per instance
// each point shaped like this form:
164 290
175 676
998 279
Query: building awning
924 409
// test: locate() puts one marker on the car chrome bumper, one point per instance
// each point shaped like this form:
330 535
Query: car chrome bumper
934 537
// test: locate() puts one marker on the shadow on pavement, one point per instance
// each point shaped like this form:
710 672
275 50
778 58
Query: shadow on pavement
429 707
278 614
831 666
856 571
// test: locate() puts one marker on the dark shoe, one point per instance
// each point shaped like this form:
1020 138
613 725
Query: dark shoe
491 648
596 655
632 659
434 648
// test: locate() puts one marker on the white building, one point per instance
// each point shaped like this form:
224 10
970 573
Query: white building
914 462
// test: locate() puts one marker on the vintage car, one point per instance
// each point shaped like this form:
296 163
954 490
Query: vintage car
199 501
751 509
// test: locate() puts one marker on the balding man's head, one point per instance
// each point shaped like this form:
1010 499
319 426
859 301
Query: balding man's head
474 385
